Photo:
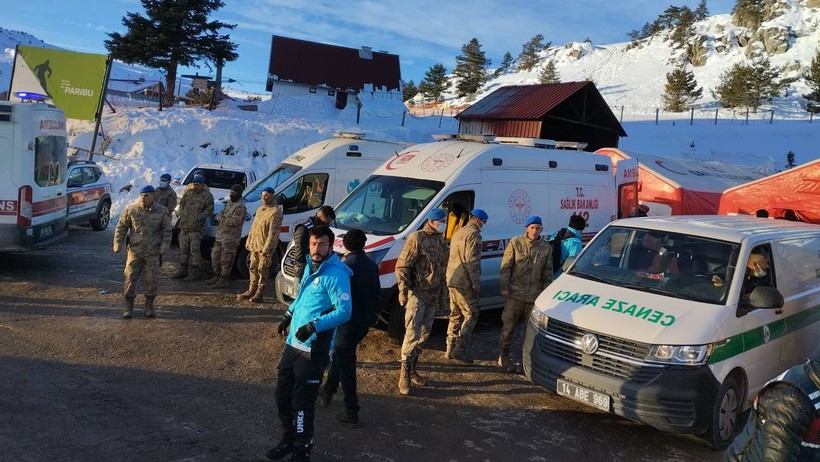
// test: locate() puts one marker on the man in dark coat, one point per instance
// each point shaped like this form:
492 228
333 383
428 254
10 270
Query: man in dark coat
364 292
299 251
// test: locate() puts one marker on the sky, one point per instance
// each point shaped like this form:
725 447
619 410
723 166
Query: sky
422 33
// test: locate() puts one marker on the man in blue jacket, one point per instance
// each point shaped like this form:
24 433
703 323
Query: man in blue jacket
322 305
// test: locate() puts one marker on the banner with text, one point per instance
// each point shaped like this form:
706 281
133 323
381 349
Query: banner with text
74 81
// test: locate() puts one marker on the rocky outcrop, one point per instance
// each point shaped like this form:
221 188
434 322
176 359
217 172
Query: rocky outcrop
775 39
696 51
813 3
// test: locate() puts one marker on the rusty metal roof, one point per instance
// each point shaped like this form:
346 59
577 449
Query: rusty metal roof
523 102
331 66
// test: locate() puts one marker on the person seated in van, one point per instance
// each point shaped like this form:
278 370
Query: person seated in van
455 219
316 198
757 272
653 258
571 243
305 198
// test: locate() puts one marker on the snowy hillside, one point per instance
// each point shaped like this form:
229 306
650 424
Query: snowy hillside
634 77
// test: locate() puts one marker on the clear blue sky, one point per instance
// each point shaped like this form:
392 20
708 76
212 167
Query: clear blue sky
421 32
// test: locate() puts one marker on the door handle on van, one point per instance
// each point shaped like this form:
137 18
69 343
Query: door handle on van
59 193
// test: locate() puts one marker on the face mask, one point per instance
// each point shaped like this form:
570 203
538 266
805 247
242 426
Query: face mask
163 183
441 227
759 273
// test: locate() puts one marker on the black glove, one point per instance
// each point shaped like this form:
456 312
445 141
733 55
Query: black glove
305 331
284 323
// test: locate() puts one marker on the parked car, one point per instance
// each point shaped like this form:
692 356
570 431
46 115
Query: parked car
89 195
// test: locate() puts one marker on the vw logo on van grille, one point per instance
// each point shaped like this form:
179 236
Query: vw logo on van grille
589 343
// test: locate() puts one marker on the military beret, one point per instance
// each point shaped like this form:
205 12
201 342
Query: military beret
533 220
147 189
436 214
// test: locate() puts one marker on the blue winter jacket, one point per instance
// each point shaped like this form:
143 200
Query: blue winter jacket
570 247
327 290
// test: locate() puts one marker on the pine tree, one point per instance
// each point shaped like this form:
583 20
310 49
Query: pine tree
813 79
748 13
681 90
174 33
408 90
549 74
528 58
506 63
701 12
749 86
435 82
471 68
684 28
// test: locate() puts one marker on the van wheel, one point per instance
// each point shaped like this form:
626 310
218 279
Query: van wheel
727 413
103 217
395 321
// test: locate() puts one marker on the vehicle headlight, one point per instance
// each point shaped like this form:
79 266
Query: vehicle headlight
682 355
378 255
539 319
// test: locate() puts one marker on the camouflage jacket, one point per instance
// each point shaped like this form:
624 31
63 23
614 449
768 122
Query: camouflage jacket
148 229
422 266
231 219
194 208
464 265
526 268
264 234
167 197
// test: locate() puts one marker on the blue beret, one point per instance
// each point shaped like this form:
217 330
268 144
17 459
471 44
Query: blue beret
199 179
268 189
165 176
198 172
480 214
533 220
147 189
436 214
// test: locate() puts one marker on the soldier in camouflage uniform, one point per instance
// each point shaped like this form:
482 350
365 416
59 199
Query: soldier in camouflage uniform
262 243
421 274
526 270
196 206
228 235
148 227
166 196
463 284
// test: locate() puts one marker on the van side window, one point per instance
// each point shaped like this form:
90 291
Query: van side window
759 270
306 193
458 206
49 159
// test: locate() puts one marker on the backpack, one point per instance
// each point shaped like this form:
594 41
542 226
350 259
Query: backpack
556 248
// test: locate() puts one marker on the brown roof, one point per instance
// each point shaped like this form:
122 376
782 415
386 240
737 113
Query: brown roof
523 102
331 66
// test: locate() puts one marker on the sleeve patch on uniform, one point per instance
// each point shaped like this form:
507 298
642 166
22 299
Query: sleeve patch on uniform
345 296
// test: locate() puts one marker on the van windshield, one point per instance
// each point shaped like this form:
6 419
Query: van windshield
272 179
672 264
386 205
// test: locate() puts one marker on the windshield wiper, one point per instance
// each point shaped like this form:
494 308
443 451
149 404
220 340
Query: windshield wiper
591 277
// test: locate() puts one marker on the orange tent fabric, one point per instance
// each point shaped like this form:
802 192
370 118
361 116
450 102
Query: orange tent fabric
796 189
685 186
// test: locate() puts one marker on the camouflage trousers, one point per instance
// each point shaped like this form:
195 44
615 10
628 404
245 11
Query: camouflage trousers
222 257
259 268
463 314
190 243
134 267
515 314
418 320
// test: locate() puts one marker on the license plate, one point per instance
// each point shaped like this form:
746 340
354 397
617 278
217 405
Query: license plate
584 395
46 231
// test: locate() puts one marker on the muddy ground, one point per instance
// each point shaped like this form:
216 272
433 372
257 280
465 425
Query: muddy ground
78 383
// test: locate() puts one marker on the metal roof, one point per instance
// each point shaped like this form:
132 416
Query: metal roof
524 102
331 66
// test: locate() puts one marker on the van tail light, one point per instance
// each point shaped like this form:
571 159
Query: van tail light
25 209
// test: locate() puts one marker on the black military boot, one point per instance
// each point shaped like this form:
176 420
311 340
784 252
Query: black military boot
348 417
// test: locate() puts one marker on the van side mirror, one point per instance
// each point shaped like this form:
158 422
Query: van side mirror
766 298
177 181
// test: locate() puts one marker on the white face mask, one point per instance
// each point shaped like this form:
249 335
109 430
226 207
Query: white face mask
163 183
759 273
442 226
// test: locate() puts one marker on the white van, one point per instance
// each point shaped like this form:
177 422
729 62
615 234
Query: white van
320 174
510 181
655 320
33 143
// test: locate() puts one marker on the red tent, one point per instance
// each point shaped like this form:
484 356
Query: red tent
796 189
676 186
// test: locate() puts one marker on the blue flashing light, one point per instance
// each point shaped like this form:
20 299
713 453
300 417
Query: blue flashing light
30 96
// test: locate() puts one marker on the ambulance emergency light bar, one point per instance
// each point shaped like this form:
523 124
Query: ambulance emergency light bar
30 96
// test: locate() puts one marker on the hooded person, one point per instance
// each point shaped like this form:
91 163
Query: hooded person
571 242
228 236
421 272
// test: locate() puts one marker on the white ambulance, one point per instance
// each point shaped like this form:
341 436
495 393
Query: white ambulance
510 178
659 320
320 174
33 160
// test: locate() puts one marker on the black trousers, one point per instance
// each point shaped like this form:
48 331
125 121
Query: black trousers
343 366
297 386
